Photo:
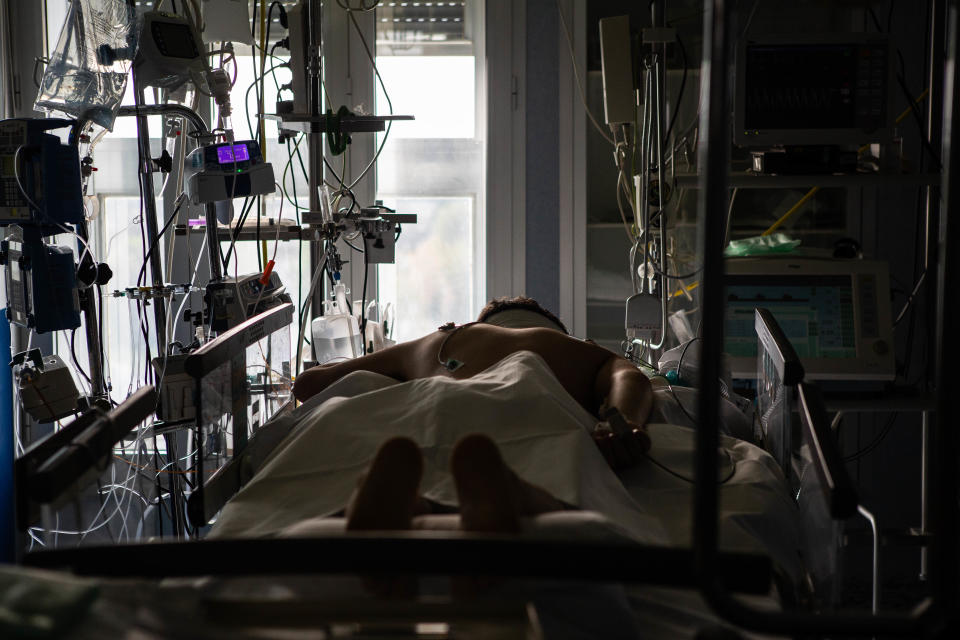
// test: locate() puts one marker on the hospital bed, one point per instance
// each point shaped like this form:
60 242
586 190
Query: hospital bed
561 554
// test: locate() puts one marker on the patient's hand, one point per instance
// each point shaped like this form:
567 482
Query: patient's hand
622 443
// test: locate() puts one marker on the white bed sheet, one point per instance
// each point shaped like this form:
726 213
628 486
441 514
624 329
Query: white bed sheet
543 433
334 437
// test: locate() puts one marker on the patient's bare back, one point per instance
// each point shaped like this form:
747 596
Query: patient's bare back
477 347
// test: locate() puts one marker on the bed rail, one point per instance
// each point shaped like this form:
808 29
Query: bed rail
53 468
225 347
778 348
837 487
779 372
417 553
777 352
224 358
811 463
224 483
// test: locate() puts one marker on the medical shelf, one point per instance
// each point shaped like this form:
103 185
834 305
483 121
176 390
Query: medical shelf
743 180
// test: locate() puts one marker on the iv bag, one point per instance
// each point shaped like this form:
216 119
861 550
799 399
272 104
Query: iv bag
87 74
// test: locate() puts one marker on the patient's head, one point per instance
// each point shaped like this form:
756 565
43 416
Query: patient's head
519 313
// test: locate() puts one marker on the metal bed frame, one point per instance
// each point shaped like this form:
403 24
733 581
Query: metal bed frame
812 465
704 566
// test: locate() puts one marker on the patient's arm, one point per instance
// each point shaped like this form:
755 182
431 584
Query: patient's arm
622 386
389 362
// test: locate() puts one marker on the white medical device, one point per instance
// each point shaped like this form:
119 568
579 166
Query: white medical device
218 172
836 313
644 320
47 390
336 334
171 52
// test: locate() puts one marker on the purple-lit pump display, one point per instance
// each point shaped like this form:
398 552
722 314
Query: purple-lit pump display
219 172
235 153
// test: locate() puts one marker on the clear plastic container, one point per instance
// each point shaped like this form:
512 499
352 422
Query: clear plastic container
336 334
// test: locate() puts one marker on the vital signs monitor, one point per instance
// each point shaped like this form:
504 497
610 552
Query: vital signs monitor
836 314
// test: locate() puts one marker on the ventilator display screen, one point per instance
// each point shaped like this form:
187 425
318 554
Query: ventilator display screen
234 153
816 313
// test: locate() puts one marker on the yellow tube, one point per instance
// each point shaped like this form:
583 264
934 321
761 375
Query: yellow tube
812 191
792 210
688 288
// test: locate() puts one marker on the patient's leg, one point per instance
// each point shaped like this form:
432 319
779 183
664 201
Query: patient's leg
492 497
388 496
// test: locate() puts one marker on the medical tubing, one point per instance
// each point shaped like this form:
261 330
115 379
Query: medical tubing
662 223
304 316
363 309
683 84
386 94
646 151
173 216
186 296
576 74
73 354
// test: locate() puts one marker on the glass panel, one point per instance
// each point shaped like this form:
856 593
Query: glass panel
216 413
268 376
430 57
437 90
420 22
432 281
124 250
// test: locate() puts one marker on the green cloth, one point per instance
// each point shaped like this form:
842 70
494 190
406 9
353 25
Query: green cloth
761 245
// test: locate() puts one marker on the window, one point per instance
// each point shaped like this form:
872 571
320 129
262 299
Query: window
121 246
430 58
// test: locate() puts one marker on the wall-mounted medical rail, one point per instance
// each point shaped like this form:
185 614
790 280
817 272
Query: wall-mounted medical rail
937 616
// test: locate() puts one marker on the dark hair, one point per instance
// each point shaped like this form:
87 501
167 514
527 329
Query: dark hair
497 305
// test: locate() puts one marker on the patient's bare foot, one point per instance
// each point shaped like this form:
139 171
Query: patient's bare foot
388 497
486 487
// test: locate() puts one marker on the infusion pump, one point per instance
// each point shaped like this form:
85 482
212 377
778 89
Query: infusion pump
218 172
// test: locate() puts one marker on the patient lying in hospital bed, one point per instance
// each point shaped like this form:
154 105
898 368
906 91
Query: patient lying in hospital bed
491 496
535 394
536 442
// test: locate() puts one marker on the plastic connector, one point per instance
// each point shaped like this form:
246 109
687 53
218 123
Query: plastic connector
644 320
219 83
265 278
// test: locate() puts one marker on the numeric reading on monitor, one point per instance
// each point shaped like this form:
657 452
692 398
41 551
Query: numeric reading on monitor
817 313
235 153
